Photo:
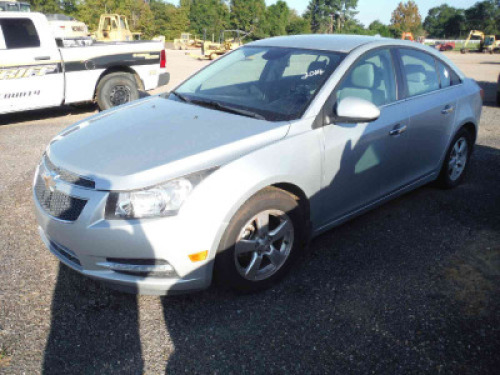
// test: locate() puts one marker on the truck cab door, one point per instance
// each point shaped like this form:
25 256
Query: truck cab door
31 74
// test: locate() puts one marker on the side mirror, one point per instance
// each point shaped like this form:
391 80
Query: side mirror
354 110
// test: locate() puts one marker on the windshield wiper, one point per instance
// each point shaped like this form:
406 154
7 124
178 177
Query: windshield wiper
226 108
181 97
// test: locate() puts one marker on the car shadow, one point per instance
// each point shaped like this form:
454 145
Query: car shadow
86 108
47 113
362 298
371 295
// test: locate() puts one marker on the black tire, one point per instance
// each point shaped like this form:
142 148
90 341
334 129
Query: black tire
116 89
498 98
226 270
445 181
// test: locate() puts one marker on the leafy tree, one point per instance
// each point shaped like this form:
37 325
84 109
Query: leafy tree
330 15
406 18
277 18
47 6
170 20
209 15
377 27
249 15
297 24
444 21
484 16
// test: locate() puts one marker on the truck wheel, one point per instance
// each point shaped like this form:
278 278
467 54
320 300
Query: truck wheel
115 89
261 242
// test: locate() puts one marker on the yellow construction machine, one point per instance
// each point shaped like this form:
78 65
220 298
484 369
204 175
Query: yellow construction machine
186 42
492 43
211 50
474 34
114 28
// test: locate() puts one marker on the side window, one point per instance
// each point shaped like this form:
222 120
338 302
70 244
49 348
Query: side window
444 75
447 76
19 33
372 79
419 70
106 25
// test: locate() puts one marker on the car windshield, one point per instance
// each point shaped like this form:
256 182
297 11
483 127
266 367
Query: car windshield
264 82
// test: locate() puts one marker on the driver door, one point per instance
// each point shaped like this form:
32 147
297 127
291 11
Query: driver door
364 162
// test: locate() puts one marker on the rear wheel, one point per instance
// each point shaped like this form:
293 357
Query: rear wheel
116 89
261 242
456 161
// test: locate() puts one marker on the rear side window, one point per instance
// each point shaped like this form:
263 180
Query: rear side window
19 33
447 76
419 70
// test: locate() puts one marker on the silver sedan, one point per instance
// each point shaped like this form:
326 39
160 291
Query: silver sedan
229 175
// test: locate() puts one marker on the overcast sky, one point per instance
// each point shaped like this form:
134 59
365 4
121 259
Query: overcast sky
371 10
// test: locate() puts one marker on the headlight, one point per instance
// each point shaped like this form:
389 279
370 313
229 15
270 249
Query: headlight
161 200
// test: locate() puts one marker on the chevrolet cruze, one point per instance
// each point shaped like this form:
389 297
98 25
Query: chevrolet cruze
229 175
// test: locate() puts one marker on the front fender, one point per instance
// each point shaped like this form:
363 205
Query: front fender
294 160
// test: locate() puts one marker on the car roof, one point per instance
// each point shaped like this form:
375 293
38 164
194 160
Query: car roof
326 42
348 43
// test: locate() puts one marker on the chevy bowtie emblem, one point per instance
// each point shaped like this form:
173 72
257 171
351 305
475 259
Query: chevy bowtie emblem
50 180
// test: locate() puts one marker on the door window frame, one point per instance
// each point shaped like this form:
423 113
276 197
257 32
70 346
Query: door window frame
404 85
327 110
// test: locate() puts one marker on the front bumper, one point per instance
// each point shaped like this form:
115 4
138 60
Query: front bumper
88 243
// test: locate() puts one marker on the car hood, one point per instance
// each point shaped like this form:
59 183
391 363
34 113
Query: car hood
156 139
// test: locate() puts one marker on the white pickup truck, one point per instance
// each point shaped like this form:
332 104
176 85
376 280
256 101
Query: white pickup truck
35 72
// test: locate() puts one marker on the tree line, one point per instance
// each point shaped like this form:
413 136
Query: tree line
156 17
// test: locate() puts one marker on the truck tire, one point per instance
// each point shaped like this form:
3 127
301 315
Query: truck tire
115 89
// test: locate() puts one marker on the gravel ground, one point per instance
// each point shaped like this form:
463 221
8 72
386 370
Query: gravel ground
409 288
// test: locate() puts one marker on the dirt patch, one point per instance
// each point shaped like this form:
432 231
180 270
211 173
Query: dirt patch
475 279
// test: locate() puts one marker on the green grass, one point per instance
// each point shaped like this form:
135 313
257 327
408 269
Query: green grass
4 357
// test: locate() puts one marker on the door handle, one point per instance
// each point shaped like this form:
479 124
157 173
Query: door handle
447 109
398 129
38 58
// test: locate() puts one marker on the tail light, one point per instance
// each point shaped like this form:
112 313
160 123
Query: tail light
481 91
163 59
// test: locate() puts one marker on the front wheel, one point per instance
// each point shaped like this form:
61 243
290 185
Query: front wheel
116 89
261 242
456 161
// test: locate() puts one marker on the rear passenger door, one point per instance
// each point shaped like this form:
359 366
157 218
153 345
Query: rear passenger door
431 103
30 74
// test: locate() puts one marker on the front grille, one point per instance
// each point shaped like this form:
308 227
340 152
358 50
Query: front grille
65 253
69 177
58 204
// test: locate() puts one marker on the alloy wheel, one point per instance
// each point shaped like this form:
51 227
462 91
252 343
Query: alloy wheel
458 158
264 244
